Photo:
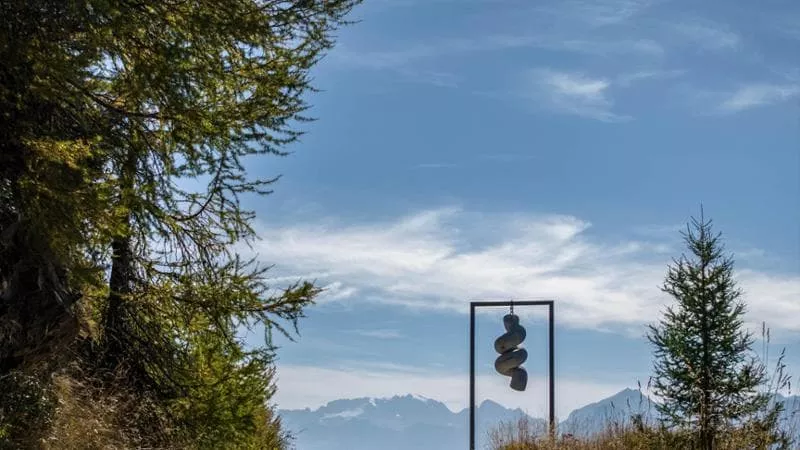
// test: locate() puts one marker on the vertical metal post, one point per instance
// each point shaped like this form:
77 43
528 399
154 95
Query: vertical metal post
471 377
552 375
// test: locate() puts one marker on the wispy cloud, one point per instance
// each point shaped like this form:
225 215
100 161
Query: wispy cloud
300 387
442 258
598 13
782 23
435 165
707 35
436 78
559 26
416 51
574 93
791 28
378 334
639 47
590 12
757 94
412 53
627 79
417 3
335 290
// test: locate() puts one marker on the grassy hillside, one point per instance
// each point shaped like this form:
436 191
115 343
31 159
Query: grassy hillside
633 434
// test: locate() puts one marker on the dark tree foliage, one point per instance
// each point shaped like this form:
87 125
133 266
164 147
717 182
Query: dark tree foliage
110 111
705 370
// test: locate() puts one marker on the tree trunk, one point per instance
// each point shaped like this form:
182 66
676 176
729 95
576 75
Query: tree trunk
121 278
119 287
707 433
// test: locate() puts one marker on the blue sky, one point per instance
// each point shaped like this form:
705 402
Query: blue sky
493 149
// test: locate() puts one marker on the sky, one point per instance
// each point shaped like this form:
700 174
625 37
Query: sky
495 150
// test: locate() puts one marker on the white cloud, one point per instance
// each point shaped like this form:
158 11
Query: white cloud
643 75
435 165
707 35
378 334
417 51
773 299
640 47
573 93
411 54
590 12
598 13
612 12
441 259
335 291
788 26
300 387
758 94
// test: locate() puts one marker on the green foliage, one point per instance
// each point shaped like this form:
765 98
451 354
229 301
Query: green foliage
27 405
111 111
705 370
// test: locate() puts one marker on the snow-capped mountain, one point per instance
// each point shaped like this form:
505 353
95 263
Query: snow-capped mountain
400 422
415 422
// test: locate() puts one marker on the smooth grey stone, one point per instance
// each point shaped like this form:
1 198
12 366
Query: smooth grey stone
519 379
510 320
509 361
511 339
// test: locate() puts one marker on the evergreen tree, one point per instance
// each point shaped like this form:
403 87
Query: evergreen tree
704 368
109 110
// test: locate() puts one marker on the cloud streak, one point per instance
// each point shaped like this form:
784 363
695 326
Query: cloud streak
378 334
758 94
573 93
440 259
436 165
708 35
628 79
598 13
414 53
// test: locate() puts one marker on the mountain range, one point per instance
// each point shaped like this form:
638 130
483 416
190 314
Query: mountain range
415 422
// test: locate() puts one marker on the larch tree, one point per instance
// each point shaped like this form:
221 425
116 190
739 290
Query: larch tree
109 109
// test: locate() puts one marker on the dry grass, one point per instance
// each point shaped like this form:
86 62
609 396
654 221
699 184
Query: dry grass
622 431
74 410
522 435
89 416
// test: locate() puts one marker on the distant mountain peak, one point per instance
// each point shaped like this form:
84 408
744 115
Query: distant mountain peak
415 421
490 403
491 406
422 398
618 408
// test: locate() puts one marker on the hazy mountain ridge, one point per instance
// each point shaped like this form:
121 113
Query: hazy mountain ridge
619 408
409 421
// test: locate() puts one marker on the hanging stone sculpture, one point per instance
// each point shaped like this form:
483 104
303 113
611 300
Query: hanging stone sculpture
511 356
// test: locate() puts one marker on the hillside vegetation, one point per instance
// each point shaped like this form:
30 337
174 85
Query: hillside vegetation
516 437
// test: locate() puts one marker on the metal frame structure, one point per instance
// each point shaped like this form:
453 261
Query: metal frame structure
551 359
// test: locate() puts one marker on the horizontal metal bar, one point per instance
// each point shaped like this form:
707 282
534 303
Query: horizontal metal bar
515 303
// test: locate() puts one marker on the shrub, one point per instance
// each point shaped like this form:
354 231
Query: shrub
27 405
